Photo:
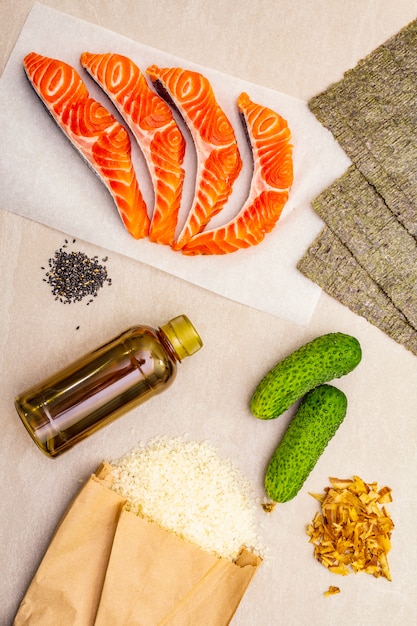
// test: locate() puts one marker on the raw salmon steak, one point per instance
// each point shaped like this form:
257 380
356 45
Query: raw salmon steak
218 157
151 121
94 132
272 178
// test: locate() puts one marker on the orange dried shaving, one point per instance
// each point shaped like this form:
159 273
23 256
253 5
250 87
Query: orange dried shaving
332 591
353 530
268 506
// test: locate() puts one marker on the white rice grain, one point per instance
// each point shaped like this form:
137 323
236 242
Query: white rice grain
186 488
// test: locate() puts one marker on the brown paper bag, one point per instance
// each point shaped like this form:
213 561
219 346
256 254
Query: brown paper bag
215 598
159 578
106 566
67 586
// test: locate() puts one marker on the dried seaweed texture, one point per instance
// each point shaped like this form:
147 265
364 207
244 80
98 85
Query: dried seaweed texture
403 47
372 112
367 256
330 265
354 211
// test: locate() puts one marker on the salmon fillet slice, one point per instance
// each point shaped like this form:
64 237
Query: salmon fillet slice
272 179
94 132
218 157
151 121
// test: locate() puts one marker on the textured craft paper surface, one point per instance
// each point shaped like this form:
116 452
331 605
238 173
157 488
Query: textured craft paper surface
106 565
50 183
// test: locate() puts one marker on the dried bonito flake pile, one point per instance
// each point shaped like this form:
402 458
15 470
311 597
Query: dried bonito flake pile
353 530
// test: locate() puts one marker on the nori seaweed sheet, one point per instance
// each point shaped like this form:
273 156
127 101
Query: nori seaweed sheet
403 47
353 210
372 112
366 255
329 264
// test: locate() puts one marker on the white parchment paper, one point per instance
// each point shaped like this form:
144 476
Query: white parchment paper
44 179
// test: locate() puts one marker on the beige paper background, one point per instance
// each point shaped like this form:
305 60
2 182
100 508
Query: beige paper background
296 48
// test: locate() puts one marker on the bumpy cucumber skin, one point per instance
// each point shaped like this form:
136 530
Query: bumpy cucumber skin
319 416
319 361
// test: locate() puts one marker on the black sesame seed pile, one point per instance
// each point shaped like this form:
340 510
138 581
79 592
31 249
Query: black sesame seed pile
74 276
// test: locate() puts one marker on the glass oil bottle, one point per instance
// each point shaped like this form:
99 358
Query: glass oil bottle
104 384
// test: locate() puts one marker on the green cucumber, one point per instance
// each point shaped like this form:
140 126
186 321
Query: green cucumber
319 416
319 361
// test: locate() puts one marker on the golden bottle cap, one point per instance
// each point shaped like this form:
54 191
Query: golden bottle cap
182 336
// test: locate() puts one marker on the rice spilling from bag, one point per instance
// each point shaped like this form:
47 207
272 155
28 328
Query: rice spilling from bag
186 488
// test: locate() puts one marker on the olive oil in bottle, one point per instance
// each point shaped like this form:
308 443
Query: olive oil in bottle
102 385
